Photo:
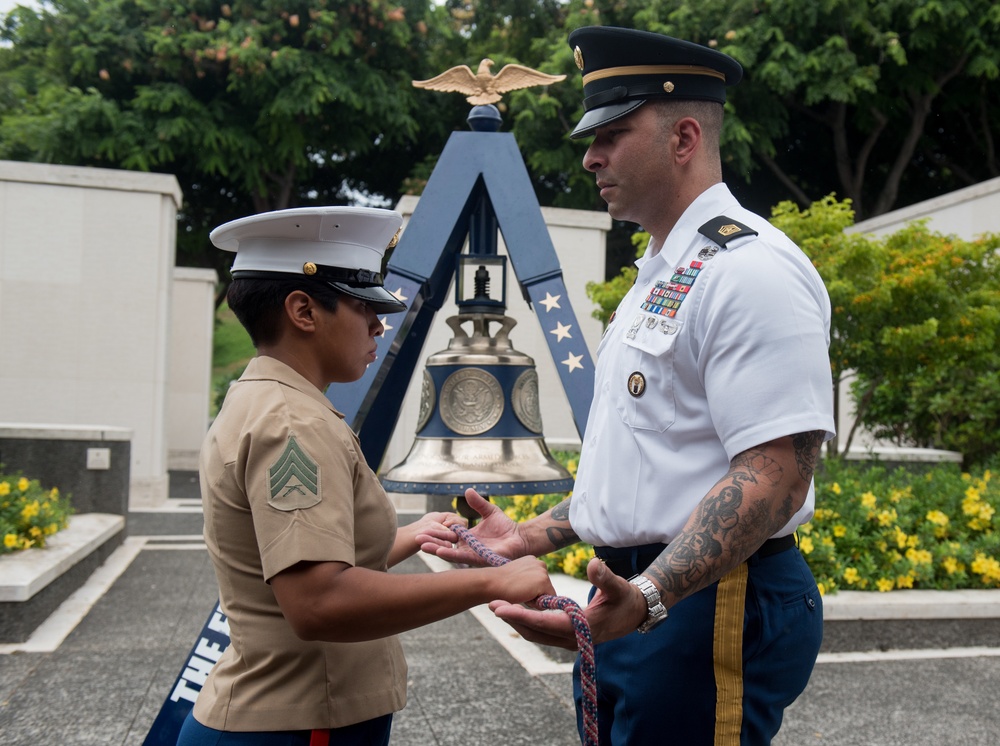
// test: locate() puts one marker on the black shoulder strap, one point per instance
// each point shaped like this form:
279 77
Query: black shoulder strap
722 230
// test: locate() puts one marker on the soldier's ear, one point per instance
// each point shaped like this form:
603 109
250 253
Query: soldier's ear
300 310
687 130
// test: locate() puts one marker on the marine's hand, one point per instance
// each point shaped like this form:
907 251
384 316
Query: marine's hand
617 608
522 579
495 530
436 526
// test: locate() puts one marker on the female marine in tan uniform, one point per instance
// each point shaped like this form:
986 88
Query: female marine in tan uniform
300 532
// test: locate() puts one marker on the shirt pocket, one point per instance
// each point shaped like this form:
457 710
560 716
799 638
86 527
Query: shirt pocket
644 379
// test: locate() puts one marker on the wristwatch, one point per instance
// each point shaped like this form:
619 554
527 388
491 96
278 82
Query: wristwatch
657 611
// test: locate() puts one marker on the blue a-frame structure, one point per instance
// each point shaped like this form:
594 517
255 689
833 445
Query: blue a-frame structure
480 185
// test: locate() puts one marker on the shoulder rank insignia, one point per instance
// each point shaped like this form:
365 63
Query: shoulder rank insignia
722 230
293 479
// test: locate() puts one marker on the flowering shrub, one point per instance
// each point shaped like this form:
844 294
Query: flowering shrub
28 513
873 529
880 530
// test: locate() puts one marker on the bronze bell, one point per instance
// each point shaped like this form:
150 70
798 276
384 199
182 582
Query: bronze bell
480 422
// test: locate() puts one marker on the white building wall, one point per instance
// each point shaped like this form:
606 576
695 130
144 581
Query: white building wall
966 213
189 390
579 237
86 262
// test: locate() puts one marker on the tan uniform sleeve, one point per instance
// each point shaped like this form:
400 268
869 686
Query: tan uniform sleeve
300 474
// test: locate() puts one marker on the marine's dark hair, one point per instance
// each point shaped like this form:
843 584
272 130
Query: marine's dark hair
259 303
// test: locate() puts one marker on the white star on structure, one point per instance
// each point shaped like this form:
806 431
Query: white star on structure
398 295
573 362
385 324
562 331
550 301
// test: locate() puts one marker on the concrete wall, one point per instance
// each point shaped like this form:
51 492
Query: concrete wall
86 267
579 238
189 393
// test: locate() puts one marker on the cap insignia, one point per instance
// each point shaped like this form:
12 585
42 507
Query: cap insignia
395 239
309 268
668 87
578 57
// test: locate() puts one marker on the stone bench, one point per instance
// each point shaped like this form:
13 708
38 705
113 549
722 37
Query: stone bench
34 582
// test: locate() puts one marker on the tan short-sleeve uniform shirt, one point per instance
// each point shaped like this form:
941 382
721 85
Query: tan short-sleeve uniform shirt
284 481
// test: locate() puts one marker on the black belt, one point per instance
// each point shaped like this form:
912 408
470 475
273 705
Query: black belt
627 561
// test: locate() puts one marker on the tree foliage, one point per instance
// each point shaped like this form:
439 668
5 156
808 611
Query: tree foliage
253 105
286 102
916 324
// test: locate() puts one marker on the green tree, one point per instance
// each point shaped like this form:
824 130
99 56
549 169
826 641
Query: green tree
253 105
884 102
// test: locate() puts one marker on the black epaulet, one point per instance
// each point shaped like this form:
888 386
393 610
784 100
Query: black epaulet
722 230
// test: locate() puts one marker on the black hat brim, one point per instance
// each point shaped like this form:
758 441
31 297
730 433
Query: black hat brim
378 298
603 115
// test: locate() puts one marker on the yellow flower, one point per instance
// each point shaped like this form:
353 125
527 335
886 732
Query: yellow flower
23 484
885 585
35 531
828 542
887 517
951 565
904 581
53 493
4 488
988 567
919 556
868 500
937 517
851 576
30 510
51 529
901 537
840 531
822 588
805 545
835 488
10 540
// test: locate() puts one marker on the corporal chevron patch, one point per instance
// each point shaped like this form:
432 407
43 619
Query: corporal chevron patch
293 479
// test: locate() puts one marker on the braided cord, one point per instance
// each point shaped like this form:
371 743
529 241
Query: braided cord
584 641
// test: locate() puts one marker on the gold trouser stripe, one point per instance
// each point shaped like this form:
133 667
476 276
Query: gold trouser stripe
728 656
614 72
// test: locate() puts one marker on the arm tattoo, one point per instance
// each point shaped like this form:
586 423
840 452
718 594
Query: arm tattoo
561 511
735 518
807 447
561 536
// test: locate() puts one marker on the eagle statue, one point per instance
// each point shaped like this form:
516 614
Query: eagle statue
483 87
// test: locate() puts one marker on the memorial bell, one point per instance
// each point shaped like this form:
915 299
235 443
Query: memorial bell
480 423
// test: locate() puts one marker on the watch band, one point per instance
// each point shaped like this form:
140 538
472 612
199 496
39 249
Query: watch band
657 611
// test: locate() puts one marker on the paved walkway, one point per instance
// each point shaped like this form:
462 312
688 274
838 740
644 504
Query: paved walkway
912 683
